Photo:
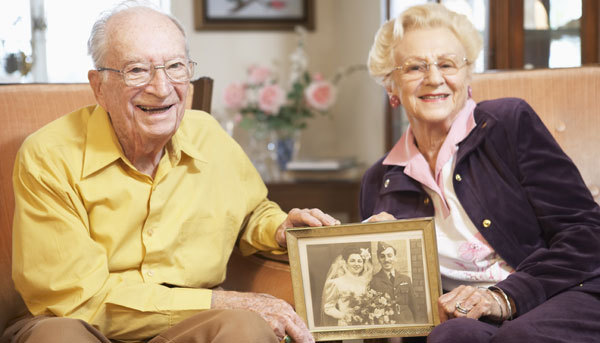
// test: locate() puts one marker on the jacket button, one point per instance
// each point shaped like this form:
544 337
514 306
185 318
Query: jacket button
386 183
426 201
457 177
487 223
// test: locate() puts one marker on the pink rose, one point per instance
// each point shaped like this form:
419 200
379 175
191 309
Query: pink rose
235 95
320 95
258 74
270 99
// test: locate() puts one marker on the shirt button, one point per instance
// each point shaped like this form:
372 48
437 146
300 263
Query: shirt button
426 201
150 272
150 232
487 223
457 177
386 183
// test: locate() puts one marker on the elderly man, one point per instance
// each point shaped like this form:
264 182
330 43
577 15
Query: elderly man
127 212
397 286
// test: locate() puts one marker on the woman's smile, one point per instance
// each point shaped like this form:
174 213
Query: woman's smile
434 97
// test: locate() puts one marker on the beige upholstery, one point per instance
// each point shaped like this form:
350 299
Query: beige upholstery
24 109
567 100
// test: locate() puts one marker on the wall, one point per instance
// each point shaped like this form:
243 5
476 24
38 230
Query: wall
343 35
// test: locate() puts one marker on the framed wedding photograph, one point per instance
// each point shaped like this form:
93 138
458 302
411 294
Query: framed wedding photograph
367 280
253 14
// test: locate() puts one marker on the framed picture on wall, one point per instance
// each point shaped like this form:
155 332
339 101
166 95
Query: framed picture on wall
253 14
368 280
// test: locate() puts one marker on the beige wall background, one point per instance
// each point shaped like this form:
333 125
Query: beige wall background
343 35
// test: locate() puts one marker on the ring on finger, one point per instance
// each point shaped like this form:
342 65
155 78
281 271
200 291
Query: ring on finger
461 309
286 339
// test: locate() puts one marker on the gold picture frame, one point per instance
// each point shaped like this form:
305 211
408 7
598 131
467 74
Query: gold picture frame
339 299
219 15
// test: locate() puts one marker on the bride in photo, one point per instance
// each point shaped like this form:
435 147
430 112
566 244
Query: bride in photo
348 277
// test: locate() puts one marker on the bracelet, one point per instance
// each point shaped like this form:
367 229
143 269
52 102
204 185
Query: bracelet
493 294
509 307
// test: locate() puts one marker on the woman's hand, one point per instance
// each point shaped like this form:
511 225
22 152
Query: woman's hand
380 217
472 302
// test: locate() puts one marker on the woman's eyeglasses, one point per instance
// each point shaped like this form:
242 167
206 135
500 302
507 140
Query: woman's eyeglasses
414 69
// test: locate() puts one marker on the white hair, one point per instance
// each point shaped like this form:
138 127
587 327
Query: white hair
97 44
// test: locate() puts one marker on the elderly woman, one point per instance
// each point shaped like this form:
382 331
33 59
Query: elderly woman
348 277
518 232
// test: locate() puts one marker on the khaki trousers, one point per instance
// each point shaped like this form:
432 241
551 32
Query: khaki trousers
211 326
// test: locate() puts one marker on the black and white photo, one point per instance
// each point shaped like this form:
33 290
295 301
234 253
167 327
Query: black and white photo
366 280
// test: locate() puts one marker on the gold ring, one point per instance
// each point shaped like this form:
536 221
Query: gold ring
286 339
461 309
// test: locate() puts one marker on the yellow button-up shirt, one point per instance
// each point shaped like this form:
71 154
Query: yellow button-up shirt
97 240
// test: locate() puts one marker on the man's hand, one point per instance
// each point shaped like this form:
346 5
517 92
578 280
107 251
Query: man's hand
304 217
279 314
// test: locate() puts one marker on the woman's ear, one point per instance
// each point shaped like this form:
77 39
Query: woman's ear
389 88
393 98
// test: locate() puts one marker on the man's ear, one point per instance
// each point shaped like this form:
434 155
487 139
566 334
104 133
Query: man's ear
96 83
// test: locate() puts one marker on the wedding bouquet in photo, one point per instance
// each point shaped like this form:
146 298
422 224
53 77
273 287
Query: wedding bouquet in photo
373 308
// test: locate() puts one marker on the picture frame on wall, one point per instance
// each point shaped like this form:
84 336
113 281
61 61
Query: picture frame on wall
367 280
253 14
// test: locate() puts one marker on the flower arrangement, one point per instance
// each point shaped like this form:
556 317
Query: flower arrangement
266 101
373 308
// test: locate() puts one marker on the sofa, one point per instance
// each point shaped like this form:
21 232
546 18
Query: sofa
567 100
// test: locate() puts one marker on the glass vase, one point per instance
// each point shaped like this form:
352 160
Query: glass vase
261 154
271 150
285 144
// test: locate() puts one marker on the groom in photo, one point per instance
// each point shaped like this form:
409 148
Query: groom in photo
398 286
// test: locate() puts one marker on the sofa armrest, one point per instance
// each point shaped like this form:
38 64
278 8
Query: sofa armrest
260 273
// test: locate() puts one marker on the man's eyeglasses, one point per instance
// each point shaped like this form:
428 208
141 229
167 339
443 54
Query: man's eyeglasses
139 74
414 69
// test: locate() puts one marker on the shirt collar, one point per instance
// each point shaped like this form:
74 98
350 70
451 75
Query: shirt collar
182 142
406 150
102 146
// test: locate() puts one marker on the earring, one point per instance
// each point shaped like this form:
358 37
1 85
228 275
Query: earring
469 91
394 101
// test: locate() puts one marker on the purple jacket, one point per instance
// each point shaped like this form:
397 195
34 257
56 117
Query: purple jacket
511 174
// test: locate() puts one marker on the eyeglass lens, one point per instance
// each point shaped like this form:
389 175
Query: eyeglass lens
445 65
137 74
